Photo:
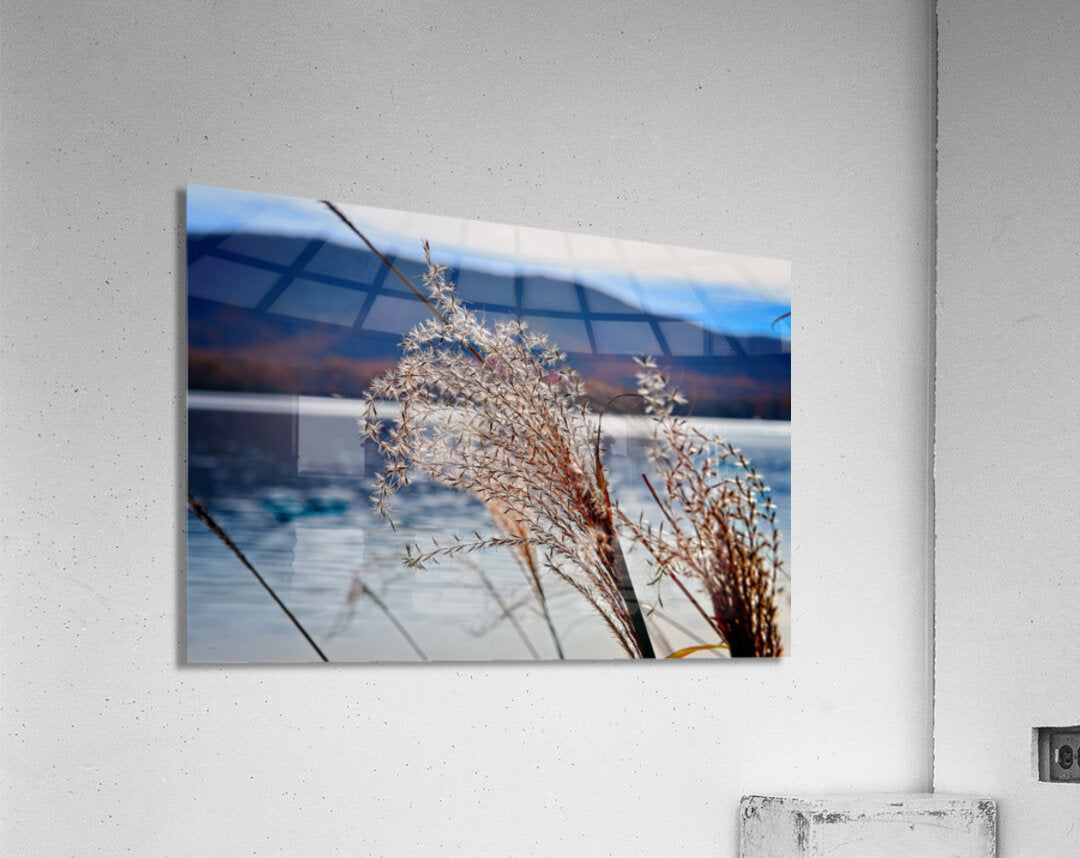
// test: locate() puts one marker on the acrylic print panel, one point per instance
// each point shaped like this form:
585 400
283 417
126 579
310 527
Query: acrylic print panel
541 445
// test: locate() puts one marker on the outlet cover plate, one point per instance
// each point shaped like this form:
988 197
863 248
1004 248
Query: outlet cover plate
1059 754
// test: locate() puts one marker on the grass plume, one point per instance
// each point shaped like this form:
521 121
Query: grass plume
719 523
496 411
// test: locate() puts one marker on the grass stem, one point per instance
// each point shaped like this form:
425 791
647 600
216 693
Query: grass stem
382 606
507 611
203 514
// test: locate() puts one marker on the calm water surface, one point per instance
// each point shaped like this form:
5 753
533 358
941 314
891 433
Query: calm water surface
289 478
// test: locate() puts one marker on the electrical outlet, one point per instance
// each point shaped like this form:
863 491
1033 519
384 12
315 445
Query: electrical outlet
1059 754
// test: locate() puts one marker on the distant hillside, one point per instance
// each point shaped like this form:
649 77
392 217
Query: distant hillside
305 316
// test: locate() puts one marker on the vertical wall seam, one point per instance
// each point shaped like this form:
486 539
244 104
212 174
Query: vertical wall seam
931 511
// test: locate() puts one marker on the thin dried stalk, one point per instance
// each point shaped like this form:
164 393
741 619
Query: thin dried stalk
203 514
525 557
382 606
505 611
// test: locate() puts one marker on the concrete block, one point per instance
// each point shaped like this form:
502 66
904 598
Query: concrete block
859 826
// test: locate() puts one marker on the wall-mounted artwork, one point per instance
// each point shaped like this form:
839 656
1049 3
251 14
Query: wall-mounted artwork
421 438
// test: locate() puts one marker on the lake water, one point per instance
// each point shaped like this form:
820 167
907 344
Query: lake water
288 478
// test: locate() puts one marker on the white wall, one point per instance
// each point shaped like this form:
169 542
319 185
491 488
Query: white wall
799 131
1008 502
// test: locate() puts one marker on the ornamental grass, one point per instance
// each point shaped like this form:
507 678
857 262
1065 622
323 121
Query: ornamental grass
496 411
719 523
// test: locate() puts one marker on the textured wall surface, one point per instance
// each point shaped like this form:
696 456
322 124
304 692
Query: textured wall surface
799 131
1008 502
